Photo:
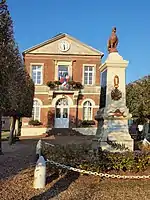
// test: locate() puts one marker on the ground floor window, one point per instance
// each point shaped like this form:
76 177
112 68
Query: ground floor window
87 110
36 110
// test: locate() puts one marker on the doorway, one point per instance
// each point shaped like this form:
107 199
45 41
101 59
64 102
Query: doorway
62 113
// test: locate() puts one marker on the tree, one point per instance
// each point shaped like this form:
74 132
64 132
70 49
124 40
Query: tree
138 97
22 91
6 52
26 101
16 87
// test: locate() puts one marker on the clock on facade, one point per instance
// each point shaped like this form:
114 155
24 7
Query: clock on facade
64 45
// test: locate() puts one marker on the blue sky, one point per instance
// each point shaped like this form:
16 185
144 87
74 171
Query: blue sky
91 22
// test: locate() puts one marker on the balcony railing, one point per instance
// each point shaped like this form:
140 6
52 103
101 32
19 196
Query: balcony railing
71 86
64 88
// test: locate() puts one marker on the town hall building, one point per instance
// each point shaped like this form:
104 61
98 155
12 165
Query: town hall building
66 75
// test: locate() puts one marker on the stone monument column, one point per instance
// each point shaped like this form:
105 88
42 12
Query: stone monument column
113 114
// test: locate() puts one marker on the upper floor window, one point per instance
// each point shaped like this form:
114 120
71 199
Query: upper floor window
62 73
88 75
36 110
87 110
37 74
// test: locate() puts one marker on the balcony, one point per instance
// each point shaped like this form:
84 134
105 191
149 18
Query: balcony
64 88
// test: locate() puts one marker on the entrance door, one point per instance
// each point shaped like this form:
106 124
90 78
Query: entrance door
62 114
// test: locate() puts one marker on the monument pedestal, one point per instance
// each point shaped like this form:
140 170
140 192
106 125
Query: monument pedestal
113 114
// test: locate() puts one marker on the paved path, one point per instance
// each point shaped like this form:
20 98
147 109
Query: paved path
16 157
22 154
16 176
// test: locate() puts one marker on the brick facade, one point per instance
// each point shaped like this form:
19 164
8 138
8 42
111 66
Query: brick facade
47 97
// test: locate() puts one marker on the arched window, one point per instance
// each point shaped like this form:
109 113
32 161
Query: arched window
87 110
36 110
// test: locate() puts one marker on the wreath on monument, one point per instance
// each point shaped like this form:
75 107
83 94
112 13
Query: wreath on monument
116 94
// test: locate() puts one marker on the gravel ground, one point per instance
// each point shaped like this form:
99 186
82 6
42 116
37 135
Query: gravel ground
16 179
73 187
16 157
22 154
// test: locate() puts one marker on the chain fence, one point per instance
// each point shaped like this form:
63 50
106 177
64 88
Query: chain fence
106 175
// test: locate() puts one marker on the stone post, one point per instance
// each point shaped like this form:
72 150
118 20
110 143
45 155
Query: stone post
40 174
113 114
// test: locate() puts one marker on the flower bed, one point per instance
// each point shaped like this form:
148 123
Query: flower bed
33 122
81 156
71 85
87 123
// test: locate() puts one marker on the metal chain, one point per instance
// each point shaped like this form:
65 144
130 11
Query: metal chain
96 173
52 145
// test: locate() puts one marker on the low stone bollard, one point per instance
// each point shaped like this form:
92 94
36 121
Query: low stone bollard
146 142
38 149
40 174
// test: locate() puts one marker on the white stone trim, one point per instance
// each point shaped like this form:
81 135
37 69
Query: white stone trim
33 131
56 70
70 101
91 93
67 63
54 56
39 100
73 106
88 99
41 93
96 106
